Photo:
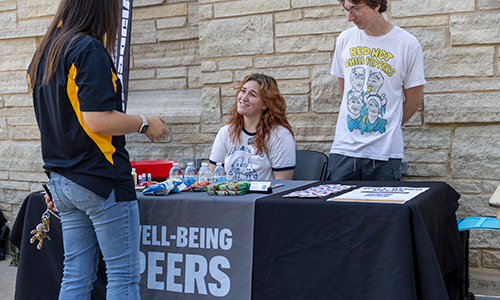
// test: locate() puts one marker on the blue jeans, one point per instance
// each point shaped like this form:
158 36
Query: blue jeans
346 168
89 223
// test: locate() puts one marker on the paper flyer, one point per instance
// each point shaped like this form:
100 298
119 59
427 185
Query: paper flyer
398 195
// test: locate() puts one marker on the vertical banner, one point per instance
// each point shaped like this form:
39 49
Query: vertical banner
122 54
196 248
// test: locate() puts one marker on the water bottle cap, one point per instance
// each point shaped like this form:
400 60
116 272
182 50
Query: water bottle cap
204 164
175 164
219 164
190 163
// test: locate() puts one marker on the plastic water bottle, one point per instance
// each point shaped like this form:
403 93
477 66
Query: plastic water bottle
205 174
175 171
190 172
134 174
219 173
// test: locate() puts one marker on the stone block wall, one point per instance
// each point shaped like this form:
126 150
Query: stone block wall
186 56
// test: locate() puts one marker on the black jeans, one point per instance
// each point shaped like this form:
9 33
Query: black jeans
345 168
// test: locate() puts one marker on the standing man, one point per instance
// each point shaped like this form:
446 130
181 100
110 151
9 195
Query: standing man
382 65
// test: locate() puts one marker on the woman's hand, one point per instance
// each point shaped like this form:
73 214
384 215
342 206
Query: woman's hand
50 204
117 123
157 129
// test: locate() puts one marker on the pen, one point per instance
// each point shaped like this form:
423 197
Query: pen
278 185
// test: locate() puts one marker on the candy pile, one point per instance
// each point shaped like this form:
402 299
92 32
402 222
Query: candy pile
232 188
199 186
163 188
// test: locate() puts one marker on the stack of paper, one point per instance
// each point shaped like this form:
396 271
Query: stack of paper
381 194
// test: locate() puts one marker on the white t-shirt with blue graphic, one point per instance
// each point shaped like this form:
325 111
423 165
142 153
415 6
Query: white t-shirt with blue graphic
241 160
376 70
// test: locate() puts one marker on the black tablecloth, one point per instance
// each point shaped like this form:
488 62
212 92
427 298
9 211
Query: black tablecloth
307 248
39 272
314 249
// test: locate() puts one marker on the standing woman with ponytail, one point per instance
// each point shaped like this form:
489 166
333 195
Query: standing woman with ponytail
257 143
78 107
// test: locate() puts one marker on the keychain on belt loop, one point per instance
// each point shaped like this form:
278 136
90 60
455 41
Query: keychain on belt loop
41 230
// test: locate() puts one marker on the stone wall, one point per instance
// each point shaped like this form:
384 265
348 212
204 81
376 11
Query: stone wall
186 56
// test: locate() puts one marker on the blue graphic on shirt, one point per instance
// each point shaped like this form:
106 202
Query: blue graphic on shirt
357 77
356 108
374 84
366 109
377 125
241 168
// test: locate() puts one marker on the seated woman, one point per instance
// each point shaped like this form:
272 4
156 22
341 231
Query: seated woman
258 142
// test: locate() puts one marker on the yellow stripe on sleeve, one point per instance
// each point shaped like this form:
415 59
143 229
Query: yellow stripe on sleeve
115 78
103 141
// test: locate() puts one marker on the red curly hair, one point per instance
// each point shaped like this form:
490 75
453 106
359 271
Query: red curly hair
274 115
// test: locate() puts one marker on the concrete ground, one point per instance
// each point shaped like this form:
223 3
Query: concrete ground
7 279
486 297
485 282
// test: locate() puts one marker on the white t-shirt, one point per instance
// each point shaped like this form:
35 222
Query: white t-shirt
376 70
241 160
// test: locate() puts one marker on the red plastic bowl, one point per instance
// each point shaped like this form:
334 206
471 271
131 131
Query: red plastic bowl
159 169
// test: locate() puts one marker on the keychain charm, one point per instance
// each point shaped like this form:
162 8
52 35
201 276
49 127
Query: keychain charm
40 232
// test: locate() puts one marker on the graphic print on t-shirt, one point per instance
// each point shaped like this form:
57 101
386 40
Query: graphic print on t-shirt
242 169
366 108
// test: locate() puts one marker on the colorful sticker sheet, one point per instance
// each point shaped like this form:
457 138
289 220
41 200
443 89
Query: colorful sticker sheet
319 191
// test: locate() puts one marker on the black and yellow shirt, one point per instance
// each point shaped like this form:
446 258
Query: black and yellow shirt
85 80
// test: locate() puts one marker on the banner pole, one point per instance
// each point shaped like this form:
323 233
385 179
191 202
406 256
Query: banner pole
122 49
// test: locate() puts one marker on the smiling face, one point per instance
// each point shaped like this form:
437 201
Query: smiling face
358 78
355 103
249 102
373 106
375 82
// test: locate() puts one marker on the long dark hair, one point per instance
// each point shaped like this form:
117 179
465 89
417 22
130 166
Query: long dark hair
274 115
74 18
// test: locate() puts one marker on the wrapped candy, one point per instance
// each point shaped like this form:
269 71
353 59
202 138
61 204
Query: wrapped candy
233 188
171 185
199 186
